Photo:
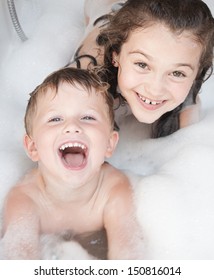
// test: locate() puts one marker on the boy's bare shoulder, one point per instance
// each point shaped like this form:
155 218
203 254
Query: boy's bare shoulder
20 196
108 168
25 184
120 188
115 177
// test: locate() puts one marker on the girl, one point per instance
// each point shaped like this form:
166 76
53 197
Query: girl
157 54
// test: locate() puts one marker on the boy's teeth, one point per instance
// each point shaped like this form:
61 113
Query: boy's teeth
71 145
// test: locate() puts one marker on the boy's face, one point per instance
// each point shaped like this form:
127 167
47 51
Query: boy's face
72 134
156 69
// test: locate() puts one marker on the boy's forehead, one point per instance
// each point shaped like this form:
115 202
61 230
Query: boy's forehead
72 99
72 89
53 91
68 91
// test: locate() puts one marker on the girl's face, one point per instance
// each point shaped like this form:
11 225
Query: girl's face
156 69
71 135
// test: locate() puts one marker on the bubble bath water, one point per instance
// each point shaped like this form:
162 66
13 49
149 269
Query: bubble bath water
172 176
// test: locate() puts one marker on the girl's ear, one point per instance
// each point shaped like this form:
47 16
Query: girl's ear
30 148
114 59
113 140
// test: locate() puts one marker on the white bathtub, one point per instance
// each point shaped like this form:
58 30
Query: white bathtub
5 29
176 212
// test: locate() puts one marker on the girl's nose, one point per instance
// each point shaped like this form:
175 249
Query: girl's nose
155 86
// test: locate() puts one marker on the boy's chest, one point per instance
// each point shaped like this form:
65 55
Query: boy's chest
77 220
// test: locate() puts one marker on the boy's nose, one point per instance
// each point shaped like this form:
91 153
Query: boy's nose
70 131
72 127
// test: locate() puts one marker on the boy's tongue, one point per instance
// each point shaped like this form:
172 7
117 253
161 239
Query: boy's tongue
74 159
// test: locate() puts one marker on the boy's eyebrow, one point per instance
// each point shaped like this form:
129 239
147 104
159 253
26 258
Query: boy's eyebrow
151 58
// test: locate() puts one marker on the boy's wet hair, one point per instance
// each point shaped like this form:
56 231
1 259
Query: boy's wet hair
88 79
193 16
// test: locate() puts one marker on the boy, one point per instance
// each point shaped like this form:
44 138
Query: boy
69 132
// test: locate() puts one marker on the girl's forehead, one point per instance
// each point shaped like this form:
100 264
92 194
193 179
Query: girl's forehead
159 36
160 28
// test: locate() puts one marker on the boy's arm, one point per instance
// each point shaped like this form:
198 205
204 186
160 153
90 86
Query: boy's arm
20 227
123 231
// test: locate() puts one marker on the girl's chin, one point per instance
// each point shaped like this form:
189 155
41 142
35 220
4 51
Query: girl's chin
147 120
149 117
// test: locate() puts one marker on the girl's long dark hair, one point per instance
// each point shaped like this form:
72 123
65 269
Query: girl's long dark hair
179 15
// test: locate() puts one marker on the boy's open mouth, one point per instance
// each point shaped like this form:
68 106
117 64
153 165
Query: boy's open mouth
73 155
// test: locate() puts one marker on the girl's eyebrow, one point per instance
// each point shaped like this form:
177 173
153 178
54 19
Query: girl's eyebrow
142 53
151 58
185 65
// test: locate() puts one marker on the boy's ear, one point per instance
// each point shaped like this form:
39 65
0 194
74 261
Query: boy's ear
30 148
113 140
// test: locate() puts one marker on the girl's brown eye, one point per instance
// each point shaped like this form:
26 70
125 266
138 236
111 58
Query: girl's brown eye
178 74
141 64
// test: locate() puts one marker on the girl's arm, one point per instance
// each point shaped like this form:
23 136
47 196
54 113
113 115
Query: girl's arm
89 52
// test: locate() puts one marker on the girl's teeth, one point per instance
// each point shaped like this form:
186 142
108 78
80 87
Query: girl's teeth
147 101
155 103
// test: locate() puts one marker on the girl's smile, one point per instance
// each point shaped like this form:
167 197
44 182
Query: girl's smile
149 104
156 70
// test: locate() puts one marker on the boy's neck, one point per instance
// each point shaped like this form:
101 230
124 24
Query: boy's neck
61 192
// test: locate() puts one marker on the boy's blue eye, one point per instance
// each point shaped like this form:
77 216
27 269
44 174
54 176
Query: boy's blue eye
88 118
56 119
